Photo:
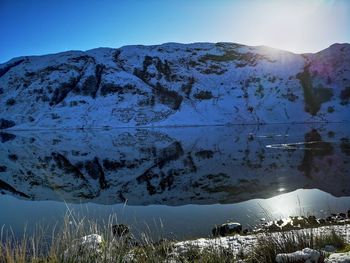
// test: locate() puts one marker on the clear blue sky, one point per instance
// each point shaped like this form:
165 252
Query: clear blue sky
33 27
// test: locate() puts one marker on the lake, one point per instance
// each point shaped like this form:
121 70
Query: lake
174 182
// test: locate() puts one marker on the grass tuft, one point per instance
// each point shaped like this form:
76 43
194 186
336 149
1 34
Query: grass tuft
269 245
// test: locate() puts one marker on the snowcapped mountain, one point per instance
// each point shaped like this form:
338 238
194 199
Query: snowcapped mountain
173 85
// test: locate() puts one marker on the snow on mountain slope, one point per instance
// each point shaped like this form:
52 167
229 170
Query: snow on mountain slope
174 84
175 166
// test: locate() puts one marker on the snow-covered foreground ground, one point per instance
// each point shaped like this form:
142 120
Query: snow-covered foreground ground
245 243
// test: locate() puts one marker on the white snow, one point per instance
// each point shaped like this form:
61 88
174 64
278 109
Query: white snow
307 255
254 85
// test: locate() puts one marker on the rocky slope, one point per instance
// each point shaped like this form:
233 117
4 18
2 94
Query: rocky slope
175 84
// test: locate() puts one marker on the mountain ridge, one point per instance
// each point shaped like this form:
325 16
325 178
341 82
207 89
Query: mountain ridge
166 43
175 85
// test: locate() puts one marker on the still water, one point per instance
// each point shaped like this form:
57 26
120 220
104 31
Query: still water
174 182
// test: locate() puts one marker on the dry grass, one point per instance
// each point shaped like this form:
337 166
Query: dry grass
271 244
63 244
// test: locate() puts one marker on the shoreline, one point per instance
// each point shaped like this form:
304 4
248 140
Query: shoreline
236 242
175 126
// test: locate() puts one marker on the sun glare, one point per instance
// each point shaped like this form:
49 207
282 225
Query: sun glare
293 25
282 205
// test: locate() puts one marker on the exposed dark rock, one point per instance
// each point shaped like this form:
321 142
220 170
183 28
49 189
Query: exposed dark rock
92 83
187 88
330 219
289 227
241 59
110 88
5 69
227 229
83 58
189 163
61 93
290 96
143 74
163 69
4 137
166 182
170 153
313 97
203 95
147 177
4 124
205 154
113 165
13 157
116 56
3 168
64 164
345 146
92 169
312 221
214 69
345 96
342 215
168 97
10 102
274 228
322 221
89 88
95 170
120 230
5 186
